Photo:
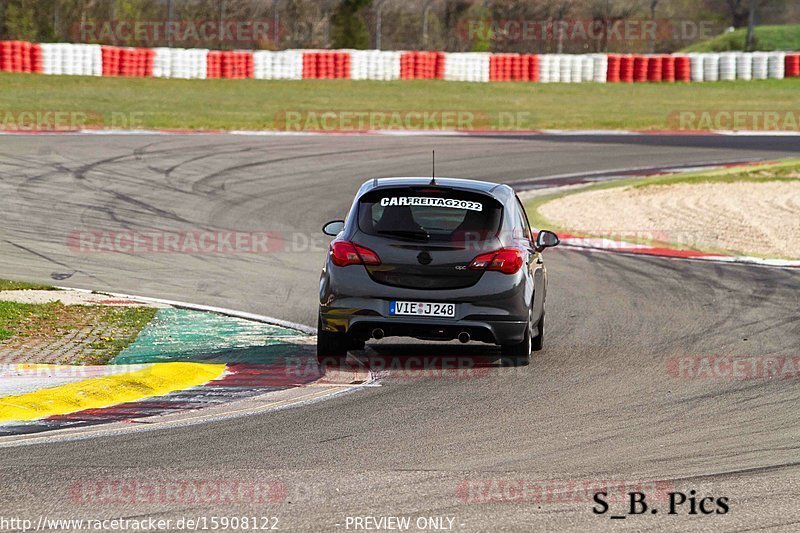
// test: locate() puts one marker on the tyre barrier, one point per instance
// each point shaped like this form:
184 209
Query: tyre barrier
71 59
181 63
326 65
229 65
20 56
422 65
477 67
683 68
744 66
97 60
284 65
379 65
511 67
760 66
792 66
128 62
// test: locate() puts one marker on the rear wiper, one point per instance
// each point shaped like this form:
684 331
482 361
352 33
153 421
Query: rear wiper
411 234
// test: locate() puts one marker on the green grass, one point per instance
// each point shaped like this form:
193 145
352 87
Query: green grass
126 323
255 104
8 285
768 38
787 170
20 323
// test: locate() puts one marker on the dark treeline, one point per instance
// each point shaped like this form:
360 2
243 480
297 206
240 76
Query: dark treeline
453 25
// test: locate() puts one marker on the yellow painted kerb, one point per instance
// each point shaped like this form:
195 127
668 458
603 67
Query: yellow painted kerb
155 380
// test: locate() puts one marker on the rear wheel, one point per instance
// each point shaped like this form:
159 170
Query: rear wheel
538 342
518 354
331 347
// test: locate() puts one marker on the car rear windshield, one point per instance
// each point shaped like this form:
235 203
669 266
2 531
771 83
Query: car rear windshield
429 214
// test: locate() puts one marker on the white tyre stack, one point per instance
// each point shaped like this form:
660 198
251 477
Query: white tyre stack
51 58
776 65
696 62
162 63
760 66
68 60
544 68
744 66
263 65
600 68
289 65
711 67
472 67
587 67
565 70
555 68
727 66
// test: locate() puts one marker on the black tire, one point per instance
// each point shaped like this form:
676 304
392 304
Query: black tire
538 342
356 344
518 354
331 347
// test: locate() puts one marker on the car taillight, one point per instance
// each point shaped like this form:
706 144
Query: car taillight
344 253
507 261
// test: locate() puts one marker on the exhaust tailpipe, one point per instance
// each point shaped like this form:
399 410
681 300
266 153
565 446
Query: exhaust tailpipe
377 333
463 337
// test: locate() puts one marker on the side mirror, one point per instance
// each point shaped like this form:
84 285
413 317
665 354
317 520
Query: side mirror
333 228
546 239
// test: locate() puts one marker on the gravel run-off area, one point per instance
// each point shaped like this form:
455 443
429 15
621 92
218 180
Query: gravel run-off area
759 219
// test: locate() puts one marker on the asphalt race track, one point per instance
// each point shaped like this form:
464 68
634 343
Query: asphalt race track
598 404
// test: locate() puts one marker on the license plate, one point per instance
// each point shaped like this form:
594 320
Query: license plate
422 309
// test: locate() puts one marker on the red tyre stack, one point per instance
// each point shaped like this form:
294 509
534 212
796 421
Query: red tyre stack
5 56
407 61
25 56
626 69
226 65
654 68
214 64
424 66
640 65
149 60
328 65
613 72
519 68
36 59
792 64
111 58
16 56
438 70
249 65
495 72
309 65
683 68
533 68
128 60
341 65
668 68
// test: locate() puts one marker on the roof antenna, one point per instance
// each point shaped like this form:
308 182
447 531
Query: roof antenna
433 171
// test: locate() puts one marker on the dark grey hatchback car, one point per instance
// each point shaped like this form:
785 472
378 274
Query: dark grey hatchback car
439 259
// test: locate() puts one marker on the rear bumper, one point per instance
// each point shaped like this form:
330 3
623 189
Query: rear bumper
492 332
495 310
